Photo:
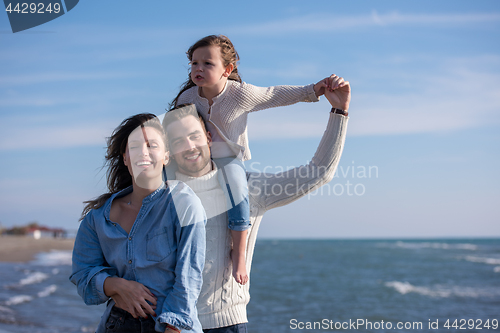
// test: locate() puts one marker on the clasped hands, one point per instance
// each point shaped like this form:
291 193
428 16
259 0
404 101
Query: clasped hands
336 90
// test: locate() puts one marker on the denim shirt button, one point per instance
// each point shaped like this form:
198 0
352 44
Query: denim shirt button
130 261
130 238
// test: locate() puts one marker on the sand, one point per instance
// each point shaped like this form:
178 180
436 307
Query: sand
23 249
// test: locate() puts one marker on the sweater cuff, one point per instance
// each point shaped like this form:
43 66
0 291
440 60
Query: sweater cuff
311 95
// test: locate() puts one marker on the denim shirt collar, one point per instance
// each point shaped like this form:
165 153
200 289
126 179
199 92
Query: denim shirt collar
150 198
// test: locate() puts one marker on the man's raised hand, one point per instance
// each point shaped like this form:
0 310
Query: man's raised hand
338 93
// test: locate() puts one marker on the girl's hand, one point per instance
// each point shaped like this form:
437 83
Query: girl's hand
131 296
338 93
319 88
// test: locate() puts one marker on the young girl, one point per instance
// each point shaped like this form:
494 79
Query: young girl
143 243
224 102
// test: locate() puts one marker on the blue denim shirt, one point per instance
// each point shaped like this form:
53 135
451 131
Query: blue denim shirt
165 251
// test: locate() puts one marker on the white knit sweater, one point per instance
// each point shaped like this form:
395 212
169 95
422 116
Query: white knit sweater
222 301
230 108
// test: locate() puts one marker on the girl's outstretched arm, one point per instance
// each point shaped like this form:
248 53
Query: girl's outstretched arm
252 98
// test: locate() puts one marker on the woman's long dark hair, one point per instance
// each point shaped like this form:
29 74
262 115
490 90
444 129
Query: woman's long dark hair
228 53
117 175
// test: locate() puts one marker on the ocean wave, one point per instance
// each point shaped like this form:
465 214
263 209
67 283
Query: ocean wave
18 300
6 310
435 245
47 291
6 315
496 269
53 258
441 291
33 278
483 260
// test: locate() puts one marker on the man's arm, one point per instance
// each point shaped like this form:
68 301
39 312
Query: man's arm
275 190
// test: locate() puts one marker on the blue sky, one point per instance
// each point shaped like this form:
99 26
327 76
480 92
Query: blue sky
424 113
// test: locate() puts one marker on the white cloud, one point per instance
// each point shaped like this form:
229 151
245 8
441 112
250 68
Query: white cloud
54 137
37 78
318 22
407 19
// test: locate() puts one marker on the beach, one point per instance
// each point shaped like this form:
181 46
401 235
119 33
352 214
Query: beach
24 248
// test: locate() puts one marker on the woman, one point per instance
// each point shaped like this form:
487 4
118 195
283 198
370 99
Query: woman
143 243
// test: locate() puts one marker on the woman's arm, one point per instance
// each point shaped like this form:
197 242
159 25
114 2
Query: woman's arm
179 307
89 265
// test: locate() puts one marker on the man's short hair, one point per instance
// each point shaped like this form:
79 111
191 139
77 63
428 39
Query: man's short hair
181 112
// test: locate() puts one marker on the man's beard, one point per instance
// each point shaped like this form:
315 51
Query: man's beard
189 168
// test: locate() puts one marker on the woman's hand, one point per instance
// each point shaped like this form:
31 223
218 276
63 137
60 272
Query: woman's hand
131 296
338 93
172 329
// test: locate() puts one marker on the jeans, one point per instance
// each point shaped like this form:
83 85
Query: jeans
239 328
120 321
233 180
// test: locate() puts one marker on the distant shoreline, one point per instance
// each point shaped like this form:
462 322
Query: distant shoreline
24 248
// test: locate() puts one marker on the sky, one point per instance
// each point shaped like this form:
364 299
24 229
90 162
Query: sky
421 157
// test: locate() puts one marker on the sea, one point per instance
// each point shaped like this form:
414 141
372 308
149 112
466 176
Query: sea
427 285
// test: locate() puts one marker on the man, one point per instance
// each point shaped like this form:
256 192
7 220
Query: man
222 302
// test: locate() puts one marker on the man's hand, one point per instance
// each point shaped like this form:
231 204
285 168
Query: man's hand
131 296
338 93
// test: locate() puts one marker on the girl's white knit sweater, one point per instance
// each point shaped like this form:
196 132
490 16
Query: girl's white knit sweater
230 108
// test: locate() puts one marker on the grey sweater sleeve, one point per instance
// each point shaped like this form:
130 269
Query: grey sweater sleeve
275 190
